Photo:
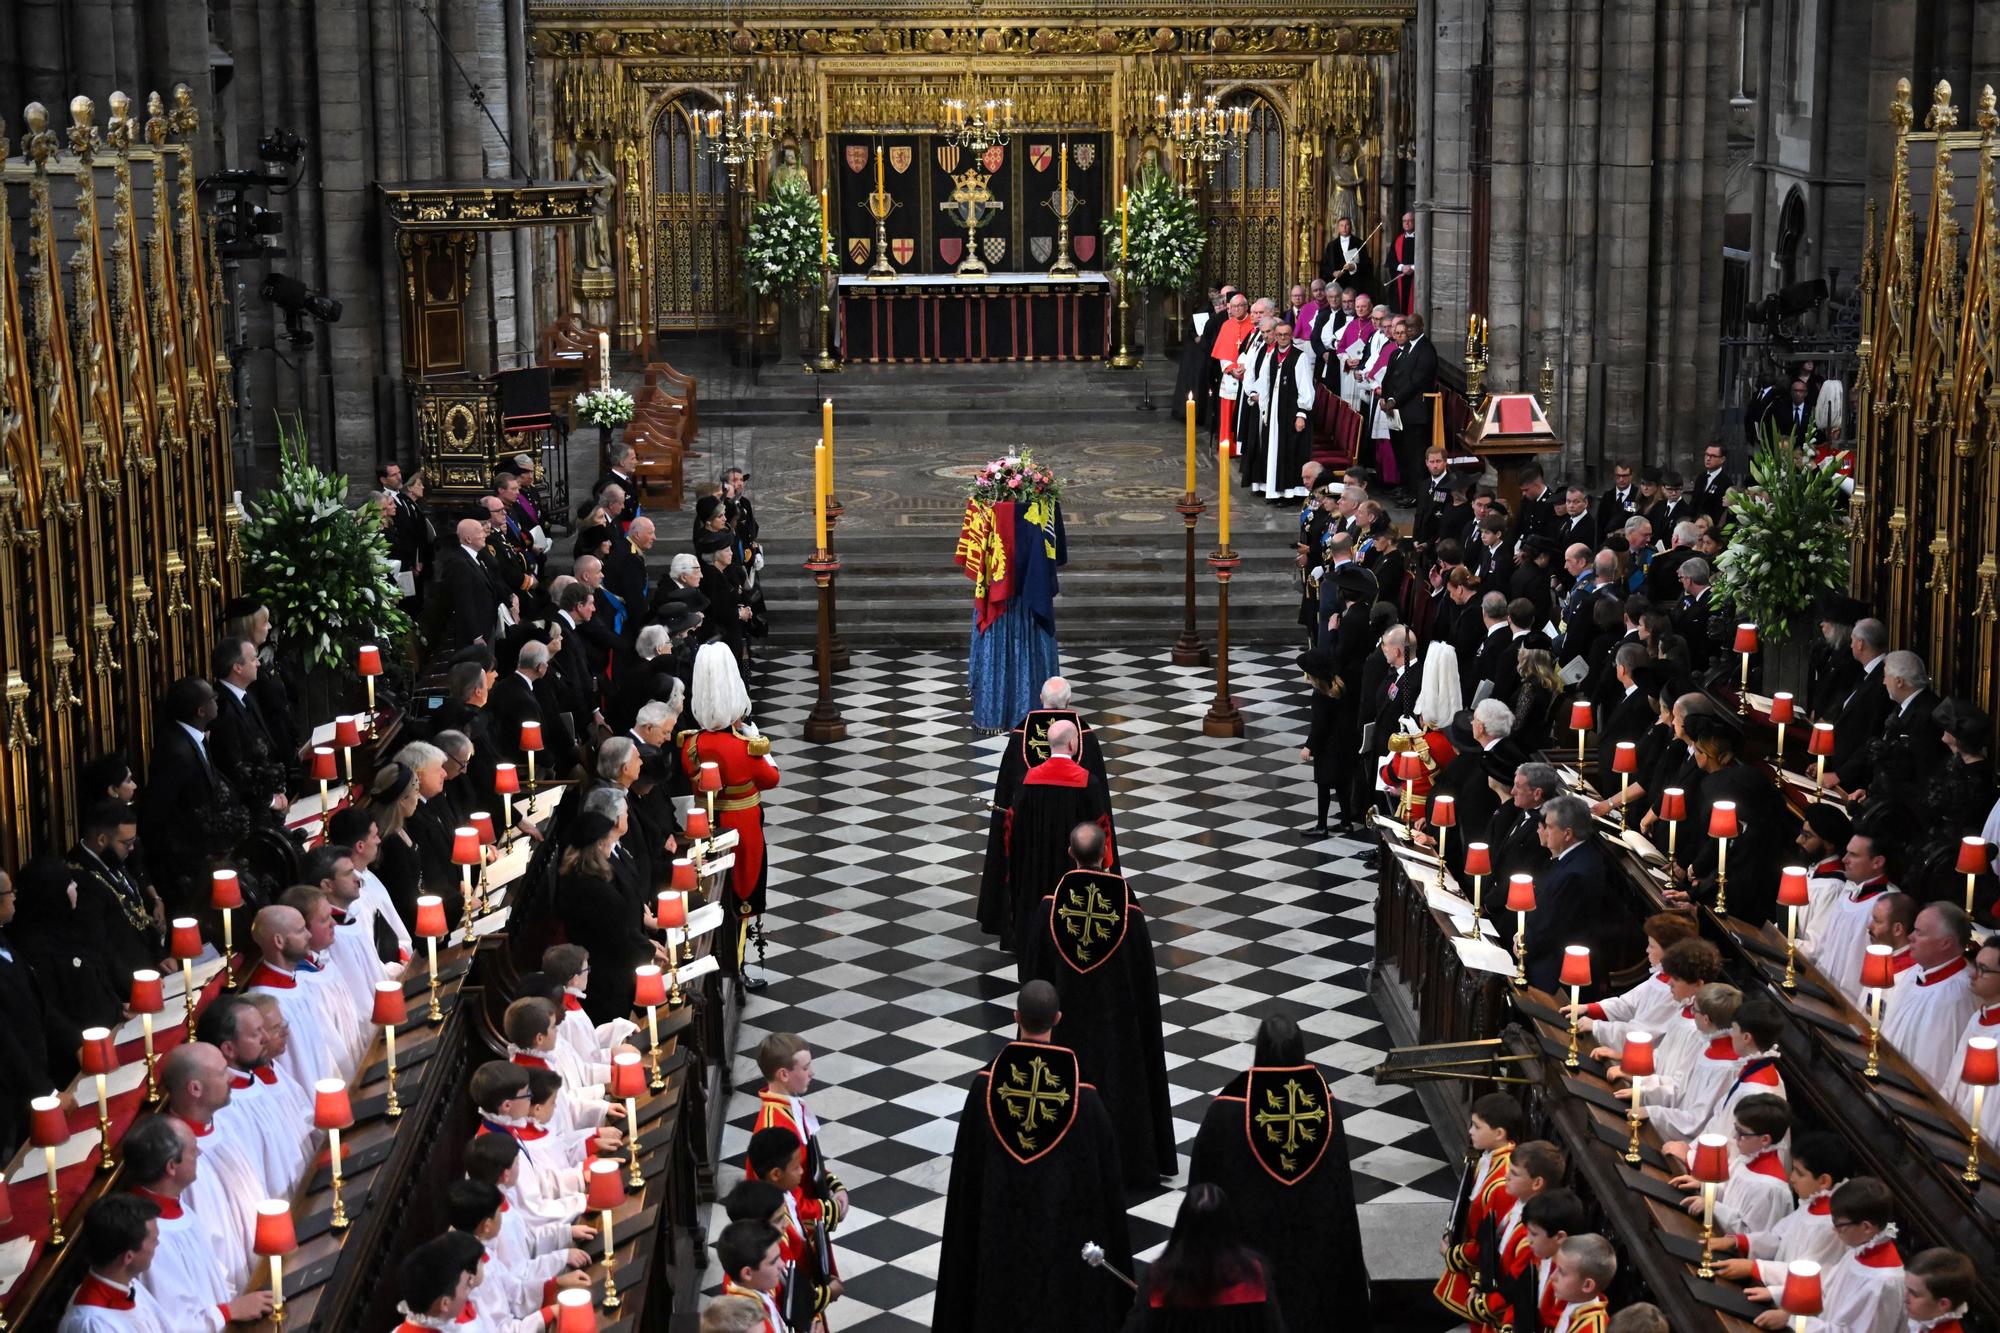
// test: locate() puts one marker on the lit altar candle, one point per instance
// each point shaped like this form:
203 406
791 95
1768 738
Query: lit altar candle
603 359
826 434
1190 444
1062 172
1222 486
1125 236
878 169
825 236
819 497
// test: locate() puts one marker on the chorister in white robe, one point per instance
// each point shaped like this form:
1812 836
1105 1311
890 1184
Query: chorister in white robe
1757 1195
225 1194
1983 1023
1825 883
1758 1075
320 1046
534 1253
540 1197
1280 410
375 902
1644 1008
277 1133
1862 1292
346 1012
187 1277
354 964
1804 1233
576 1109
594 1042
103 1306
1680 1108
1839 938
1927 1014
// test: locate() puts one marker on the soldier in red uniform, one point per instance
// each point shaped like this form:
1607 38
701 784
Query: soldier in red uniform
728 740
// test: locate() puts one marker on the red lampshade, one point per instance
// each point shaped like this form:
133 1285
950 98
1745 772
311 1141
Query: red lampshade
1792 887
1802 1289
482 824
708 778
331 1109
48 1127
1708 1162
1625 759
1821 740
322 767
1637 1057
1746 639
628 1075
97 1055
1781 708
1576 965
275 1235
1478 859
347 731
185 939
574 1312
1674 804
1878 968
684 879
506 780
1582 715
1444 811
697 825
465 847
430 916
369 660
531 735
1520 893
1982 1063
147 997
1974 856
648 986
225 890
390 1010
1722 820
671 910
606 1187
1409 766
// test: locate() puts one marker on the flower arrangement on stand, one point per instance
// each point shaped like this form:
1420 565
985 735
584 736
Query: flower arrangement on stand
1789 537
1163 252
781 252
604 408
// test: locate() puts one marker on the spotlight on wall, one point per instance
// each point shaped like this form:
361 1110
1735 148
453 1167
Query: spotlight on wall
299 302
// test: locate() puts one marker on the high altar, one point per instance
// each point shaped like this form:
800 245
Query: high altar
620 87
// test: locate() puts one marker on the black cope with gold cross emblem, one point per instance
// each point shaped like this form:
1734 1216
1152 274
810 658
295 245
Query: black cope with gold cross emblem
1288 1114
1035 731
1032 1097
1087 917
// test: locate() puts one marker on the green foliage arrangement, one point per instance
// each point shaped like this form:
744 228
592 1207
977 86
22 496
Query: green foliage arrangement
1167 236
1788 542
321 567
605 407
781 255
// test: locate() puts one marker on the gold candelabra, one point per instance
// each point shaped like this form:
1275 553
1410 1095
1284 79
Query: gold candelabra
1201 133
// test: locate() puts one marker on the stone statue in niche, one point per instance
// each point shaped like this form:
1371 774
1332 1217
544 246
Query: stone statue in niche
788 174
597 233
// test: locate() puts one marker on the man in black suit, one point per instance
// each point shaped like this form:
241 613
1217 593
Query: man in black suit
1483 767
1673 505
1663 576
1910 746
188 804
1392 695
1569 896
1696 619
624 474
1620 502
1713 484
1630 716
587 645
1574 520
1857 719
1495 649
1406 386
624 588
467 603
1536 514
240 744
514 701
33 1040
1515 837
1490 556
1345 260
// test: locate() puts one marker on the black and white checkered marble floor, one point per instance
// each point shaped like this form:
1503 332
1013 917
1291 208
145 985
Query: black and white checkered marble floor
876 846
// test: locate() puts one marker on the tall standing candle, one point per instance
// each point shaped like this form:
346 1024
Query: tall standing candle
1062 173
1190 444
819 496
1222 486
603 359
878 169
1125 231
825 235
826 434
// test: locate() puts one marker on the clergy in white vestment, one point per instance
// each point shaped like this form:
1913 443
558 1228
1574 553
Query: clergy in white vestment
1933 1001
277 1127
187 1277
226 1193
317 1050
1286 393
1352 349
1839 937
120 1235
1862 1291
356 829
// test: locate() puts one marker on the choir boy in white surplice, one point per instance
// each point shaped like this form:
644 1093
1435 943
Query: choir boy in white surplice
1758 1193
187 1276
1680 1098
1862 1291
1938 1284
120 1236
226 1193
1839 935
1985 1022
527 1241
1286 394
1933 1001
568 967
1820 1161
276 1128
1647 1006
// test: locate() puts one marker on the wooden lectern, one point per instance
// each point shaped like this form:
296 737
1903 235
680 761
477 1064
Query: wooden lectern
1511 430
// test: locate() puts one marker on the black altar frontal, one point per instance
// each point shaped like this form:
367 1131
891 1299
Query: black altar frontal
1001 317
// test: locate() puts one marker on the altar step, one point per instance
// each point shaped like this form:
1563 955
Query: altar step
995 395
901 590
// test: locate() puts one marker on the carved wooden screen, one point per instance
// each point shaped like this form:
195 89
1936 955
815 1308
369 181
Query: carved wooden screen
694 251
1246 211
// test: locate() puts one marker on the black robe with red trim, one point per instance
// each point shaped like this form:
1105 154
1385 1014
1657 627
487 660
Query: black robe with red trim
1011 1254
1055 797
1111 1019
1308 1230
1015 761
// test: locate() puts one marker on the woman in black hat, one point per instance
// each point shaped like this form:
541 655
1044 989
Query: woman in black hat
392 799
596 915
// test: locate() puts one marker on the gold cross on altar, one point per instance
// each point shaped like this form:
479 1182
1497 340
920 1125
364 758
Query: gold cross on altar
1287 1116
1090 923
1032 1099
